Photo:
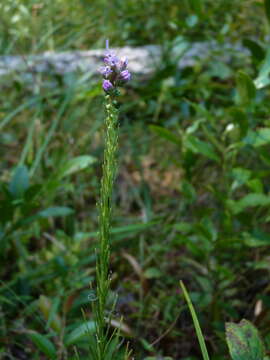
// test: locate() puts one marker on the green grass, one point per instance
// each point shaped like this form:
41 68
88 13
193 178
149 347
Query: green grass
191 198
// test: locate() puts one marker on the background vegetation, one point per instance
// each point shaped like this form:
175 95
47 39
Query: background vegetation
192 191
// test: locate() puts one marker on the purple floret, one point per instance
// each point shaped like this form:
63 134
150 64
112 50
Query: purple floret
111 59
107 85
105 71
125 75
123 64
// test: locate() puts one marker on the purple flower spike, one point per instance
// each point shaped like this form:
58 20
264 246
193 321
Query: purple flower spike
114 72
125 75
107 85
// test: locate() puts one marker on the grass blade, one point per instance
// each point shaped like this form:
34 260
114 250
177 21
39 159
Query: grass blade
195 322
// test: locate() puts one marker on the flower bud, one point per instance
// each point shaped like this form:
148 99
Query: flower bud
125 75
107 85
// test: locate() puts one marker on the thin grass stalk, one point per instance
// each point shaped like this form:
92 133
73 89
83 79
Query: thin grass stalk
195 322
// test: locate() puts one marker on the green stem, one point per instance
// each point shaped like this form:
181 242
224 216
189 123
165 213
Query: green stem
195 322
105 214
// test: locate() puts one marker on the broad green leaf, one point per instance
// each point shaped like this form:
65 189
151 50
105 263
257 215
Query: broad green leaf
244 341
19 182
267 9
55 211
201 147
250 200
263 78
245 87
74 165
43 344
166 134
80 332
257 239
257 138
254 199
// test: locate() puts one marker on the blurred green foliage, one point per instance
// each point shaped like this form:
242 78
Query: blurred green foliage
192 192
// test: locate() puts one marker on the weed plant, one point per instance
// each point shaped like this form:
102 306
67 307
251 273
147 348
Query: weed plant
114 74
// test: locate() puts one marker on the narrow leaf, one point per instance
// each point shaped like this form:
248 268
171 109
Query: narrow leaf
43 344
196 323
55 211
80 332
166 134
250 200
74 165
201 147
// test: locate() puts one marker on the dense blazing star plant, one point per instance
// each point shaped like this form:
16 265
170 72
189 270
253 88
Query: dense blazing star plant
114 74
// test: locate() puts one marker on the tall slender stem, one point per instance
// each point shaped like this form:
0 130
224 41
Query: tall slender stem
105 215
